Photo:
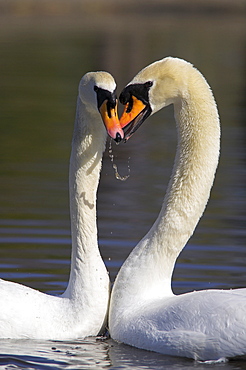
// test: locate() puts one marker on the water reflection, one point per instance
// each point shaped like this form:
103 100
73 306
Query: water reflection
42 58
87 354
92 353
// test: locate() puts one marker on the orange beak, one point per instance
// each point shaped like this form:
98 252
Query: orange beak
111 121
135 113
130 114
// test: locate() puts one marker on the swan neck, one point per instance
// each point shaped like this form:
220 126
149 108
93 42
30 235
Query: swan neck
193 173
88 144
152 261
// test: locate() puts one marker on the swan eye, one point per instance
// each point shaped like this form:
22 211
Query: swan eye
148 84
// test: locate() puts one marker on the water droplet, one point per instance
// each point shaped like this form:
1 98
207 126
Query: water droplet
116 172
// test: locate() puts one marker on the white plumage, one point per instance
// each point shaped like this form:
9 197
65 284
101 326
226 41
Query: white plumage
81 310
144 312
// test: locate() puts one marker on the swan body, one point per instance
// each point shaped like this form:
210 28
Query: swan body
144 312
82 309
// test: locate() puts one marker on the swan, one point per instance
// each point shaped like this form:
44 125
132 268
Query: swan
82 309
144 312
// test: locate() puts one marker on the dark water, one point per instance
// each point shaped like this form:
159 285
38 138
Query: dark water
44 51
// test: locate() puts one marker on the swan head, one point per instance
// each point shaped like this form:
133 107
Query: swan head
154 87
97 93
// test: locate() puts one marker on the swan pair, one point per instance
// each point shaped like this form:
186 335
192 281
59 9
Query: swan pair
143 311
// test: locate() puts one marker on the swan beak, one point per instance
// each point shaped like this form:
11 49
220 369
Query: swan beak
111 121
135 113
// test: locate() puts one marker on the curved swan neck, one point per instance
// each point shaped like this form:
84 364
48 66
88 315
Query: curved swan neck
193 173
196 161
88 144
152 260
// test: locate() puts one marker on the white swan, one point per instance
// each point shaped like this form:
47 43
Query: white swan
144 312
81 310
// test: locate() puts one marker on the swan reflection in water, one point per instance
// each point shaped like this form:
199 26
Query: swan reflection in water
91 353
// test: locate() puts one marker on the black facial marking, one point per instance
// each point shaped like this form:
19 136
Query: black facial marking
148 84
103 95
140 91
130 105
